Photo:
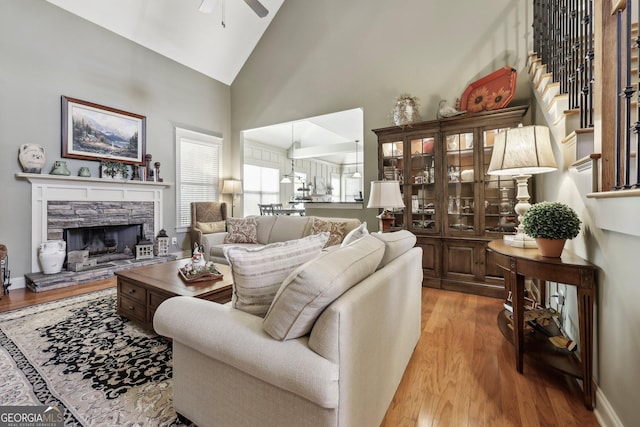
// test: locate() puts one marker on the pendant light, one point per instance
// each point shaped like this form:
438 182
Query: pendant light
290 177
357 174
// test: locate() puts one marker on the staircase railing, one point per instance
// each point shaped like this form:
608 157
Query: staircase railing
563 39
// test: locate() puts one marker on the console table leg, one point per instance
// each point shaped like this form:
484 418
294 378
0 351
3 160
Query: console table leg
585 314
517 288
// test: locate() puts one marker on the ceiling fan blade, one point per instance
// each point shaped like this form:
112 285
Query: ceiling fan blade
257 7
207 6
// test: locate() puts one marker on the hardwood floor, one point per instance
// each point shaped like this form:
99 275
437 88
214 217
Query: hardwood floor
19 298
461 374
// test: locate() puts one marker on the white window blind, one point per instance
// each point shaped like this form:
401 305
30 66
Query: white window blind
261 185
198 156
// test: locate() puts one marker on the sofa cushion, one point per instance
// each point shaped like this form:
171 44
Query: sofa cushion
310 288
288 227
212 227
258 273
395 244
357 233
241 230
337 229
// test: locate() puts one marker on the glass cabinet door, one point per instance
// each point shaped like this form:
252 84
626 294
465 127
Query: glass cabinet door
499 193
423 184
460 195
393 169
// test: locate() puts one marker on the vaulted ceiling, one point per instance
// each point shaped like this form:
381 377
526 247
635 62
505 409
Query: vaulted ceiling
216 44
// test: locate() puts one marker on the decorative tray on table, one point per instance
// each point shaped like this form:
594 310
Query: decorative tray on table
191 273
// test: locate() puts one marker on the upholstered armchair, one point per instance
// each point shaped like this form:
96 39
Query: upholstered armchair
207 217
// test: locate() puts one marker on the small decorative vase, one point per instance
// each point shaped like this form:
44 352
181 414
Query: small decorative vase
31 157
84 172
550 247
52 255
60 168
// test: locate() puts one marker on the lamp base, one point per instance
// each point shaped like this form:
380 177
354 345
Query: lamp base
385 221
520 240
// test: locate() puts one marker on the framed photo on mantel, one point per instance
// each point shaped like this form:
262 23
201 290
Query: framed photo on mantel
95 132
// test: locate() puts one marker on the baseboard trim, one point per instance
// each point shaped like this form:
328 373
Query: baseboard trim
17 283
604 412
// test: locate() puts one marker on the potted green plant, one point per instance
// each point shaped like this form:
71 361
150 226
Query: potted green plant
551 224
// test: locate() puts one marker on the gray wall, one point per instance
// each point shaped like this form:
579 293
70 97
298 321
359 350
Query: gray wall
320 57
47 52
324 56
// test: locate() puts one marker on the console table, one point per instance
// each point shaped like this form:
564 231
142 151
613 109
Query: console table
569 269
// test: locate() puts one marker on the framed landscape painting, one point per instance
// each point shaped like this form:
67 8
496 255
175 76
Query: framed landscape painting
95 132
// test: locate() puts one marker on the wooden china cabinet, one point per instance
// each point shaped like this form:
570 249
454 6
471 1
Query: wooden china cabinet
453 206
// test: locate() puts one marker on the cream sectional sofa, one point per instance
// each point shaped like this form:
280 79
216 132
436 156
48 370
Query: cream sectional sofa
270 229
229 371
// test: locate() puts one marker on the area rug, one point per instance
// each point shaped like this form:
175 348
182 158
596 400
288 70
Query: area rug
95 366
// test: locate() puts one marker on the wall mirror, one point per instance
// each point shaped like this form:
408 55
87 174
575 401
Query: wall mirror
311 160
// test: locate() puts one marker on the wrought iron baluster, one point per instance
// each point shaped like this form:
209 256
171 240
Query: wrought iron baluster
637 125
628 93
590 57
618 115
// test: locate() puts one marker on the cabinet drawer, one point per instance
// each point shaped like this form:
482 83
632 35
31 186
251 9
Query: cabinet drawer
155 300
131 291
131 309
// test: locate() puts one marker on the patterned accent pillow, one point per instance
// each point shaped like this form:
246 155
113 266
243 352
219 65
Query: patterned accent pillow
336 229
241 230
212 227
258 273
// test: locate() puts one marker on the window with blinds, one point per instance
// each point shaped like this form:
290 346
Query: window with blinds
198 171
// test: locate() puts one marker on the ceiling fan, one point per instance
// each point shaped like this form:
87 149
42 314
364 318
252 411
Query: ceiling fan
207 6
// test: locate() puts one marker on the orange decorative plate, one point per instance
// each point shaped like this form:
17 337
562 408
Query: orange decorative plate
491 92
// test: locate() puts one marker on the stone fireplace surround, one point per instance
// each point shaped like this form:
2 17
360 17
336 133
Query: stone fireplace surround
95 199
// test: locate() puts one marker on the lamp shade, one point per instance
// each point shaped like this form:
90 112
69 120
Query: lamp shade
522 151
232 186
385 194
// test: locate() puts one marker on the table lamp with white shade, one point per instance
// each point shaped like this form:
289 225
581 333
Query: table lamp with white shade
233 187
521 152
385 195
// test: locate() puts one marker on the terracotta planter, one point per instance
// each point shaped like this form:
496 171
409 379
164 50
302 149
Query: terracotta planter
550 247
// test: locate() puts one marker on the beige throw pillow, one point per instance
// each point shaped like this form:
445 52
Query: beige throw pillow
312 287
212 227
336 229
241 230
258 273
357 233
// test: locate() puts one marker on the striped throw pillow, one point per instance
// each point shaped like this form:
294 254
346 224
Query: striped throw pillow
258 273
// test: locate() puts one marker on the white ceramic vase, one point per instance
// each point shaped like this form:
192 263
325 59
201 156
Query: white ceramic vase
31 157
52 255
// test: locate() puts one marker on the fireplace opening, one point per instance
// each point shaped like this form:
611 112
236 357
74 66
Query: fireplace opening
105 243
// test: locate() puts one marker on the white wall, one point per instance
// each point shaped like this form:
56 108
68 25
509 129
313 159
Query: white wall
47 52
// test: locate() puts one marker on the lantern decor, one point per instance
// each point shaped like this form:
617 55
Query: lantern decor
144 249
5 273
161 244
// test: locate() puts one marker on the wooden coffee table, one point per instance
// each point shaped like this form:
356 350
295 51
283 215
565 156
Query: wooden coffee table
142 289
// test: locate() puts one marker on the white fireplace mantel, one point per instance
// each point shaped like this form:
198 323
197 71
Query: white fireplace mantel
45 188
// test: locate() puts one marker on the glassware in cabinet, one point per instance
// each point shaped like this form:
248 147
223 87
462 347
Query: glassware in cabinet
460 189
499 192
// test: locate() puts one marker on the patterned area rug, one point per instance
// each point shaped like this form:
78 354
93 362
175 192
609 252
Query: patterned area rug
79 355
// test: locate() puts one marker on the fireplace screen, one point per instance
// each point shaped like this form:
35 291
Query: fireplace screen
106 243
